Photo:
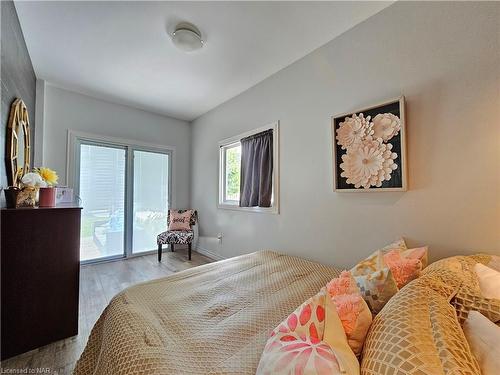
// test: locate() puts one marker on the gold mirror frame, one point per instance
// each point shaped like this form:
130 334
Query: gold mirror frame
18 117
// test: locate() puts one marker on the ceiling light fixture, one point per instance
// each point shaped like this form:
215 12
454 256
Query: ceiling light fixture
187 37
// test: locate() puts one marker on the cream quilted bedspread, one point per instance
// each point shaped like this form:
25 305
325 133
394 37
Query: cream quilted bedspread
212 319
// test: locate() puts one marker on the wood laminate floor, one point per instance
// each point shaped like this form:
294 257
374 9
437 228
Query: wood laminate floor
98 284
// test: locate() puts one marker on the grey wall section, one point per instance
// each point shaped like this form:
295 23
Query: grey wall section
17 77
68 110
444 57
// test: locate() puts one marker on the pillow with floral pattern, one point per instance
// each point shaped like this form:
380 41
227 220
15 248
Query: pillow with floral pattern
353 311
377 288
375 281
297 345
403 269
375 261
420 253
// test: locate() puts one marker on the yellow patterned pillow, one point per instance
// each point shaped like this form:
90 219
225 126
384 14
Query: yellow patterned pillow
377 288
375 280
399 244
375 262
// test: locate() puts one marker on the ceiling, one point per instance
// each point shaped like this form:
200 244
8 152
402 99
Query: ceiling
120 51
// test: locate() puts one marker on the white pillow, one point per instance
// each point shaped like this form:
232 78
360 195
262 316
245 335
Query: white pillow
483 337
489 281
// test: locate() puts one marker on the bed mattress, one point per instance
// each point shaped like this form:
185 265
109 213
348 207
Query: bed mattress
212 319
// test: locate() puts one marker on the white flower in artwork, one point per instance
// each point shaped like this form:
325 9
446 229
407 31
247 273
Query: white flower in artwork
388 166
386 126
368 164
353 130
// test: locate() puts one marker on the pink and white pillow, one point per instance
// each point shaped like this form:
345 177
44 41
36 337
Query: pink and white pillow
298 346
323 335
180 221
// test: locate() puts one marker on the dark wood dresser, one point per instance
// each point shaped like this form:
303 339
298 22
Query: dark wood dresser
40 265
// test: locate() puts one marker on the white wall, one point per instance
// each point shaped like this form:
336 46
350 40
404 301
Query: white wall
65 110
444 57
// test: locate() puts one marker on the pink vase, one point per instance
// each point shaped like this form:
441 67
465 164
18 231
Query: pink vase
47 197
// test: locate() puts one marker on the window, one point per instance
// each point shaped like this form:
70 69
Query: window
232 184
232 165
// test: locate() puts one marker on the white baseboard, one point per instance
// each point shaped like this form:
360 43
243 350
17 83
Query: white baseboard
209 253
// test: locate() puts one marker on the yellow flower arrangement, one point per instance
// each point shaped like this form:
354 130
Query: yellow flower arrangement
48 175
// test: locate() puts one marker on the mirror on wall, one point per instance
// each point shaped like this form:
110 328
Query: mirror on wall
18 143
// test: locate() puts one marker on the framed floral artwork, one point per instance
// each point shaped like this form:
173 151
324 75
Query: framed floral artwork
369 149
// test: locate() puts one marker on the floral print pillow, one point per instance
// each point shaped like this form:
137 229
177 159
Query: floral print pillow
403 269
297 345
378 281
375 262
406 265
399 244
344 284
377 288
353 311
420 253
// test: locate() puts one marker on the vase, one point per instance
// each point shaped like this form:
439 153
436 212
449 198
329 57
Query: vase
47 197
11 196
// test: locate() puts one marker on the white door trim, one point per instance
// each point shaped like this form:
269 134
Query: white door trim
71 150
75 138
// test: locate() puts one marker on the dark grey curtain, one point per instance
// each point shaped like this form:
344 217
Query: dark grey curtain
256 180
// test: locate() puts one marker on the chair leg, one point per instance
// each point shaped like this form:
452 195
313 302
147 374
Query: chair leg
159 252
189 251
171 247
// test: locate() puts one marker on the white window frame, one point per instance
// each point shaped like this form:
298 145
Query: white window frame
231 142
223 150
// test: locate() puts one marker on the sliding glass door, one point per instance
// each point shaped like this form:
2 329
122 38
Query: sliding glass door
126 193
151 198
102 191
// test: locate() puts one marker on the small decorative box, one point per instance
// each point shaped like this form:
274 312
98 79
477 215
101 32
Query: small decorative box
64 194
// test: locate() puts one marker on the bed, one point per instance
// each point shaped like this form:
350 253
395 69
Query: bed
212 319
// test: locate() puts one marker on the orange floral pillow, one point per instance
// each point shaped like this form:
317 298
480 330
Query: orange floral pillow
344 284
352 309
404 269
420 253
